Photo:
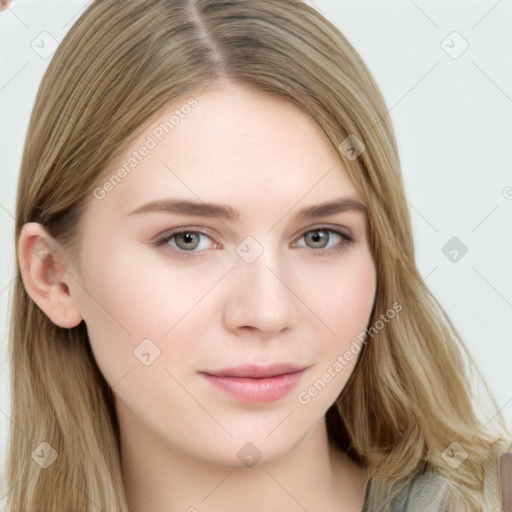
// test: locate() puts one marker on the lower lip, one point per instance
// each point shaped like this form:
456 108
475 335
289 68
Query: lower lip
256 390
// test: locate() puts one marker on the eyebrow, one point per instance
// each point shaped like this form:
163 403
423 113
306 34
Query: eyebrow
202 209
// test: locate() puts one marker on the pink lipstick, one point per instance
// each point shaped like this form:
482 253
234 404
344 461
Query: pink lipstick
255 383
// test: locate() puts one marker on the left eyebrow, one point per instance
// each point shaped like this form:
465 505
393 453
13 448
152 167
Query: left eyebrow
341 204
202 209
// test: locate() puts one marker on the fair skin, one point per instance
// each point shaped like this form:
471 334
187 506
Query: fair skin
180 434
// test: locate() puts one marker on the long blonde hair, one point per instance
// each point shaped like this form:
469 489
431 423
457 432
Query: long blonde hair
122 62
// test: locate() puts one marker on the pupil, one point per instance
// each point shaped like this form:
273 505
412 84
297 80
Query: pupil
188 238
317 236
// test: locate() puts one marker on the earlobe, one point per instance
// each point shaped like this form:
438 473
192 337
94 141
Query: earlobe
45 276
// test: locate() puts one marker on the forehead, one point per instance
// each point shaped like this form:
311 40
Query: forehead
229 144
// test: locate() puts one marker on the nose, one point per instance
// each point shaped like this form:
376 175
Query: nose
261 297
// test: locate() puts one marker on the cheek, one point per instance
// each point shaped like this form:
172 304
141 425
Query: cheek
125 301
344 310
342 296
137 293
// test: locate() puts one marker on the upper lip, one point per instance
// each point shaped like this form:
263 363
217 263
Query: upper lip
255 371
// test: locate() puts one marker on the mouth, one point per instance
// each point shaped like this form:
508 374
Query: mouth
253 383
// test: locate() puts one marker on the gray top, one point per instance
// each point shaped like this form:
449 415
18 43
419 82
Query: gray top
424 494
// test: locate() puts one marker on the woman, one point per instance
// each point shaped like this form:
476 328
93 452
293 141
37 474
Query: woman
180 341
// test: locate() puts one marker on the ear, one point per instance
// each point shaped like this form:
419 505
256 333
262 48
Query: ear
45 275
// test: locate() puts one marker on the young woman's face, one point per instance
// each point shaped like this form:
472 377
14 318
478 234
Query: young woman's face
182 324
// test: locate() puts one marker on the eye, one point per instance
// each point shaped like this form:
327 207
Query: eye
322 236
185 241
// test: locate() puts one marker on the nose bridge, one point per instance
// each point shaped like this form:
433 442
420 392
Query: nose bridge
263 278
261 298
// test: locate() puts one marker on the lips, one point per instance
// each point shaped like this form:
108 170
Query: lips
252 371
255 383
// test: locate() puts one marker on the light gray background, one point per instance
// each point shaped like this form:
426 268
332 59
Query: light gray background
452 118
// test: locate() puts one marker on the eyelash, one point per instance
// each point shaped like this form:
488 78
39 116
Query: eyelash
187 255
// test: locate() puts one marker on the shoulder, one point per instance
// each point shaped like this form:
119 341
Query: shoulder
426 493
423 493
